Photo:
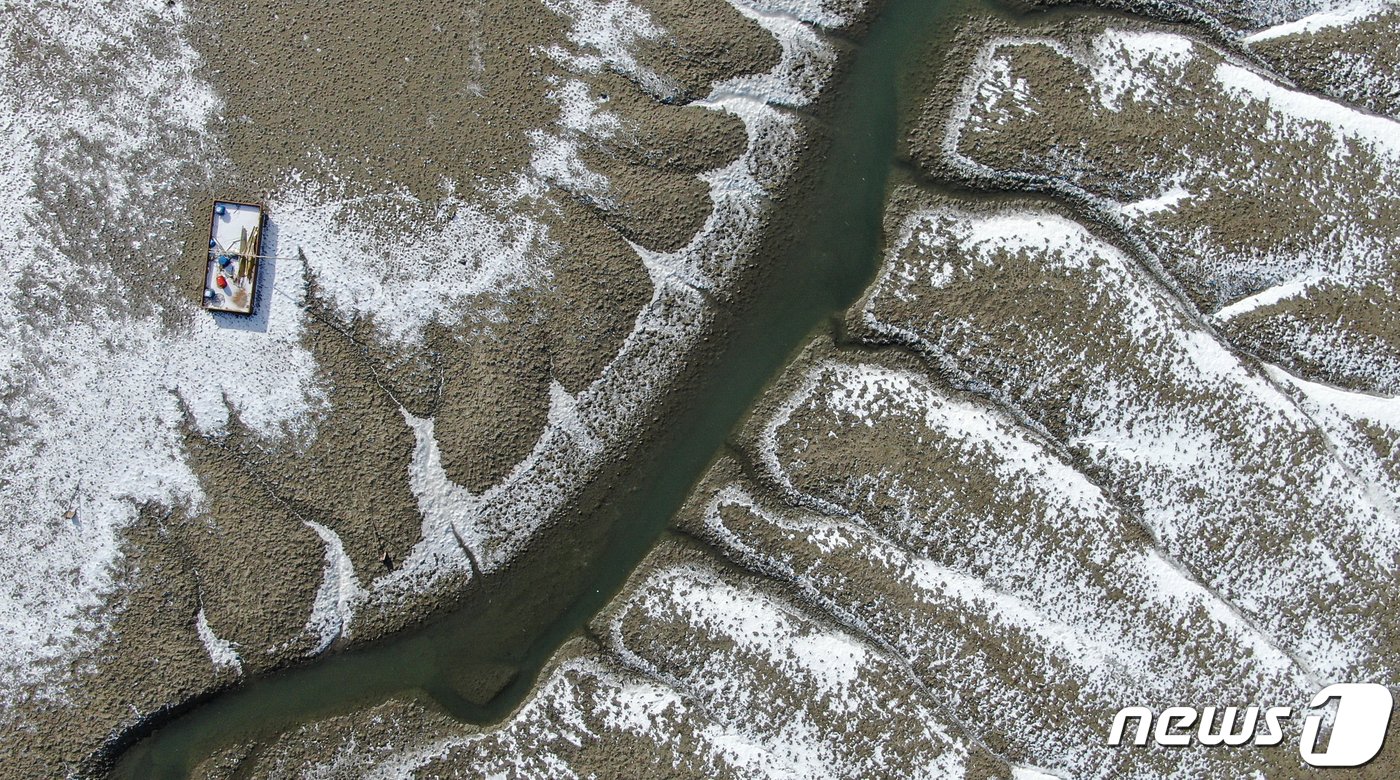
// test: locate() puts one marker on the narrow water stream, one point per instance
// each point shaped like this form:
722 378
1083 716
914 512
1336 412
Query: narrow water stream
511 634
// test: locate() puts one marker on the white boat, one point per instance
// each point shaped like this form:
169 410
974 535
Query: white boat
235 248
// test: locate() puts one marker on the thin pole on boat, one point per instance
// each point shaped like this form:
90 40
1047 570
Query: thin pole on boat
214 251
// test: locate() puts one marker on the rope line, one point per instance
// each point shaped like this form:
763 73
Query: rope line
299 301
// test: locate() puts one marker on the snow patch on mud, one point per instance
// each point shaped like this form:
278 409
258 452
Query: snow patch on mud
589 701
332 610
1173 422
97 393
1341 14
222 653
496 523
604 33
1342 123
780 678
399 281
1292 288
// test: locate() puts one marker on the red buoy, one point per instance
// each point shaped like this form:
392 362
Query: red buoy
222 282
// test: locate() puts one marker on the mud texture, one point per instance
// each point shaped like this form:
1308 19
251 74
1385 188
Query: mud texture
1229 196
381 103
1355 63
1030 479
1345 335
349 476
152 649
379 100
951 539
596 712
340 748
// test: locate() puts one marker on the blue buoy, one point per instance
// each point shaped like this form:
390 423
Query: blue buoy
219 209
225 261
208 293
213 243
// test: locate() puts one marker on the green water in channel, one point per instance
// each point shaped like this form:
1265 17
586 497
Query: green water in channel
508 632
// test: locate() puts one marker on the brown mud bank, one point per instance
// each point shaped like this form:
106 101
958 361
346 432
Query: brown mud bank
473 651
367 104
961 491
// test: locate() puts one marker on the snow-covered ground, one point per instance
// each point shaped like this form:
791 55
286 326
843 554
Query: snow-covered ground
500 521
707 674
97 384
1231 476
1334 15
1265 204
1347 53
1087 498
